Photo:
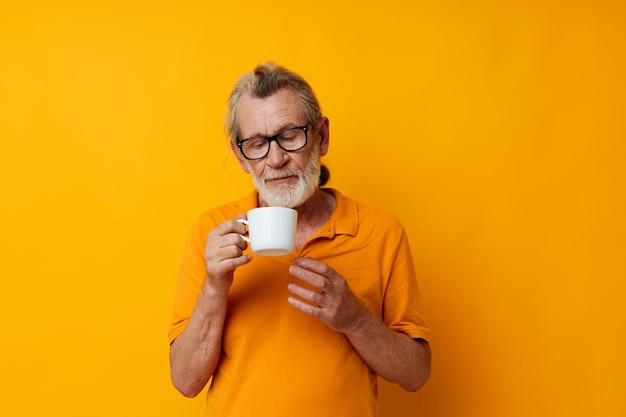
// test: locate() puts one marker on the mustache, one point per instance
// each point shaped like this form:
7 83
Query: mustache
280 173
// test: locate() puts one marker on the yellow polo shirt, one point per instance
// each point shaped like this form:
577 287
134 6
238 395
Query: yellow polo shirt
277 361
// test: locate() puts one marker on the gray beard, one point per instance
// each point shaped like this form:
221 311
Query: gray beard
291 195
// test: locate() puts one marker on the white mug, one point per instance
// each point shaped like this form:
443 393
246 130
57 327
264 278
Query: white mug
272 230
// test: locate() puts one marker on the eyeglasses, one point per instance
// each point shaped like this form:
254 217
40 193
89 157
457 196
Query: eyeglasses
289 140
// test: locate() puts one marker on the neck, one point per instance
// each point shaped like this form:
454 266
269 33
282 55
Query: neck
313 214
317 209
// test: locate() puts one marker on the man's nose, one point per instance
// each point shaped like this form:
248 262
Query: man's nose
276 156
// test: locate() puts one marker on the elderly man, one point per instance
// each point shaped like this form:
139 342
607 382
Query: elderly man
305 334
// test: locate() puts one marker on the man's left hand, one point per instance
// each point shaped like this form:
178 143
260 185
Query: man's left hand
330 299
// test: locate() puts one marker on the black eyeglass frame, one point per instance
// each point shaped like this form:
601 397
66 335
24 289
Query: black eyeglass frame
274 138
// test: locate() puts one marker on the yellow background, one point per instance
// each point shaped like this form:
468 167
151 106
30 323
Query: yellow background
495 131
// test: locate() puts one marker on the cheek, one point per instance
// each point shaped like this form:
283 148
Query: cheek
302 161
255 169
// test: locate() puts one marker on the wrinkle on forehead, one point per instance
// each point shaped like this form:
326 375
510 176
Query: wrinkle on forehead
269 115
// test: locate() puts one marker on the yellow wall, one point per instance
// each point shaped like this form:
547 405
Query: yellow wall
495 130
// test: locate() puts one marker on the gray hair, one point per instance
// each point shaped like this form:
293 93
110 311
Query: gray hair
265 80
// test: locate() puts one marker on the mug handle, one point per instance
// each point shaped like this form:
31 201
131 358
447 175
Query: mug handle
247 239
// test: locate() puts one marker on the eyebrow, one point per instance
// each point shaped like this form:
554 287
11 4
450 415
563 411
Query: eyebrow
284 127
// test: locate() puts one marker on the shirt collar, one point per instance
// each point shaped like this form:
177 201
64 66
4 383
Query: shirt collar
345 218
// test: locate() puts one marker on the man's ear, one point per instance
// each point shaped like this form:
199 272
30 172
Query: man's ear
324 136
240 158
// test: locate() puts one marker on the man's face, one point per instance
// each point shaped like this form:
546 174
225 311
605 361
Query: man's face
285 179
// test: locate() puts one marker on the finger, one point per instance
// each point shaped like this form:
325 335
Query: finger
234 239
230 264
307 308
228 246
309 277
315 266
222 265
236 227
230 226
232 250
227 233
307 294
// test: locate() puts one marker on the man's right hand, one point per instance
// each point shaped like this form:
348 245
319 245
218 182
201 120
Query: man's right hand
223 253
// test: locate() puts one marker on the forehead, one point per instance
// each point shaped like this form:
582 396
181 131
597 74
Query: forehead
266 116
